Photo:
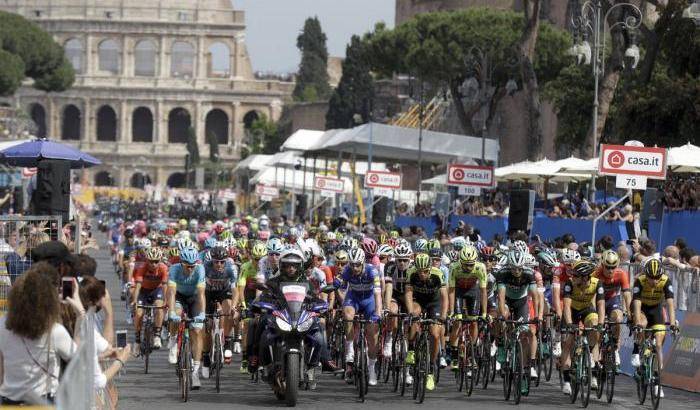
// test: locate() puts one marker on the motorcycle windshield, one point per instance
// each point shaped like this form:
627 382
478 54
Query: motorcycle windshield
294 295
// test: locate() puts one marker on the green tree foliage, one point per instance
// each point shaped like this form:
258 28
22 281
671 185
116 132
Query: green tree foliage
435 47
43 59
193 147
312 79
213 142
355 92
263 137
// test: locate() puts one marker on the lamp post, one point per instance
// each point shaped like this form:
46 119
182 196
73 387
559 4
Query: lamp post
588 21
421 116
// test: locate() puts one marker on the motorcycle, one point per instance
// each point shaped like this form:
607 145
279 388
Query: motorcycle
291 317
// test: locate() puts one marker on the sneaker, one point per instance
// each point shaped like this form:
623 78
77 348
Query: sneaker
617 358
372 376
556 349
443 362
469 373
228 356
196 384
409 379
660 391
348 373
244 366
566 388
205 372
237 347
430 382
594 383
635 360
498 366
157 342
494 349
533 373
172 354
331 367
410 357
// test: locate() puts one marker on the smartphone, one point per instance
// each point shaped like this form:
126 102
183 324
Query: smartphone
630 242
66 287
121 338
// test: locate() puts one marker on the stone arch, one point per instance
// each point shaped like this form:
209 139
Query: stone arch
75 53
179 123
104 178
219 60
145 55
139 180
108 52
250 117
216 123
142 125
177 180
38 115
106 124
182 60
71 123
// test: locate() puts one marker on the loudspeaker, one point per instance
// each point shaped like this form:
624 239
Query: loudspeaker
19 199
300 207
230 208
652 206
522 206
52 193
381 211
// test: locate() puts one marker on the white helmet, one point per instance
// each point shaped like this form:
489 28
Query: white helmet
356 255
569 256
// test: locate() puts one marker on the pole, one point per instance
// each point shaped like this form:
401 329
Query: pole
339 167
313 192
420 143
369 168
596 74
607 211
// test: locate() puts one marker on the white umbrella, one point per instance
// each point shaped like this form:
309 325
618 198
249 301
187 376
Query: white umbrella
541 171
684 159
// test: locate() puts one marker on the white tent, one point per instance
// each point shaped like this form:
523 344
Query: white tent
253 163
541 171
303 140
291 179
294 159
684 159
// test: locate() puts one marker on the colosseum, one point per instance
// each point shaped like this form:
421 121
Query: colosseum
147 72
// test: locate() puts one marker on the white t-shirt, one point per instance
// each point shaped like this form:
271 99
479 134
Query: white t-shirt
28 368
101 346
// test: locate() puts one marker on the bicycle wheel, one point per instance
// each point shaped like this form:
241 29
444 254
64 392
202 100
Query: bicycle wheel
395 364
610 381
485 363
424 369
655 381
462 370
216 362
472 368
507 375
539 359
586 376
186 371
549 357
146 345
575 372
403 369
602 372
518 372
642 382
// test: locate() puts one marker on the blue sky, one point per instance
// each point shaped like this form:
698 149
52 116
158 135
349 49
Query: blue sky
273 26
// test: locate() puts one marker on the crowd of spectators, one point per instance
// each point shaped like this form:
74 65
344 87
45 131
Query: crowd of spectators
682 193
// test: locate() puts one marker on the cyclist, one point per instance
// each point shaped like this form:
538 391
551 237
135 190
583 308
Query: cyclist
126 259
269 264
247 291
468 295
395 277
151 282
616 284
426 292
584 302
221 277
186 285
362 295
649 292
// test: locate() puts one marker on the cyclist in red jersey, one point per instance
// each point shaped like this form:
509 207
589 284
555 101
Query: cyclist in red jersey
151 281
615 283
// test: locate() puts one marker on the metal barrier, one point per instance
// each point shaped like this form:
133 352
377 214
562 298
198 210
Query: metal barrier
18 236
76 390
686 284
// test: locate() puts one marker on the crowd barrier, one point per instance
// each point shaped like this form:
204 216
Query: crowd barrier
675 225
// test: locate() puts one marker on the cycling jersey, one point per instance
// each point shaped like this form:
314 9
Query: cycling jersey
398 279
426 291
151 277
186 285
265 270
224 280
466 281
361 286
586 296
248 276
317 279
613 285
516 287
652 294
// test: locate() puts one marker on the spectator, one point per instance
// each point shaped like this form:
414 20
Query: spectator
20 260
86 267
32 340
56 253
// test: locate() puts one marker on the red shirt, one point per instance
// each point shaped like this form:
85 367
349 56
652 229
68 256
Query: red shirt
619 281
151 277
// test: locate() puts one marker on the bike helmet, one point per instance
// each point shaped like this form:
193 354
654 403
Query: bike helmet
356 255
218 253
143 243
521 246
433 244
422 261
420 245
274 245
210 242
174 252
369 246
468 255
242 243
453 255
394 234
341 256
569 256
479 245
547 258
348 243
403 251
189 256
291 255
163 242
516 259
653 269
610 259
385 250
583 268
435 253
219 227
382 238
259 250
487 253
154 254
183 243
458 242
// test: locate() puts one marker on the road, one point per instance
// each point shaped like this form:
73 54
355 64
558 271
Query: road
159 388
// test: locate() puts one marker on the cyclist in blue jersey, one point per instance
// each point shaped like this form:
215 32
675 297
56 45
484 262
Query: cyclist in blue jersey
186 285
362 295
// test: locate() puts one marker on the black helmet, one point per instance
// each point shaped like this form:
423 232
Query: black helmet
435 253
218 253
129 233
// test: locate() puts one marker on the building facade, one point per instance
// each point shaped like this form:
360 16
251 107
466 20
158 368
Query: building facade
146 73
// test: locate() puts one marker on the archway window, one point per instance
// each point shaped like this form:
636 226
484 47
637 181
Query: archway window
108 53
70 127
104 178
106 124
217 124
75 52
140 180
38 115
179 123
219 60
142 125
182 60
177 180
249 118
145 58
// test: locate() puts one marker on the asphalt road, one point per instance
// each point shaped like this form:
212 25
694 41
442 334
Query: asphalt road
159 388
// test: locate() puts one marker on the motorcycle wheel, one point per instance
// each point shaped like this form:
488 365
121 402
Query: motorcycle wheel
292 379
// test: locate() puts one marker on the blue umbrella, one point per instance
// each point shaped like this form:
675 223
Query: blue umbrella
29 153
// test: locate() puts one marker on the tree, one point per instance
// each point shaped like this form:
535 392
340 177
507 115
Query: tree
42 59
355 92
312 79
213 142
263 137
436 48
192 147
528 41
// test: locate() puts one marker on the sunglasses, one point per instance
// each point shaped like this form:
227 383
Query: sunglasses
188 266
403 260
154 261
356 264
273 254
219 261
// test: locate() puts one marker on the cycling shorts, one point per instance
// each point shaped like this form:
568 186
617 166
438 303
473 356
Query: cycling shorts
656 316
519 309
188 304
216 296
468 304
588 316
365 307
614 303
149 297
431 309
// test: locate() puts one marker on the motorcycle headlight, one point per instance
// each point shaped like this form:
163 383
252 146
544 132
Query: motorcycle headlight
282 324
305 325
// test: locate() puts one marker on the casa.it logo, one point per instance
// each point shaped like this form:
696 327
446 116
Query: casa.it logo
374 178
458 174
616 159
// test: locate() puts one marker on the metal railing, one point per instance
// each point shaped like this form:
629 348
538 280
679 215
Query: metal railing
686 284
76 390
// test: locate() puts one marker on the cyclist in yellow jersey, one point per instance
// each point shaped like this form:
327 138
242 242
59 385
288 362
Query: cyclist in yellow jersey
649 292
584 302
247 289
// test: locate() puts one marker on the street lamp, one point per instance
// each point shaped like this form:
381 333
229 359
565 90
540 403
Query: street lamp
589 21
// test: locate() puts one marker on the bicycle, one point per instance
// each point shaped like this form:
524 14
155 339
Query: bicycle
336 339
649 371
487 362
399 347
468 358
422 365
147 322
581 365
184 357
217 338
515 372
545 340
360 372
608 370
